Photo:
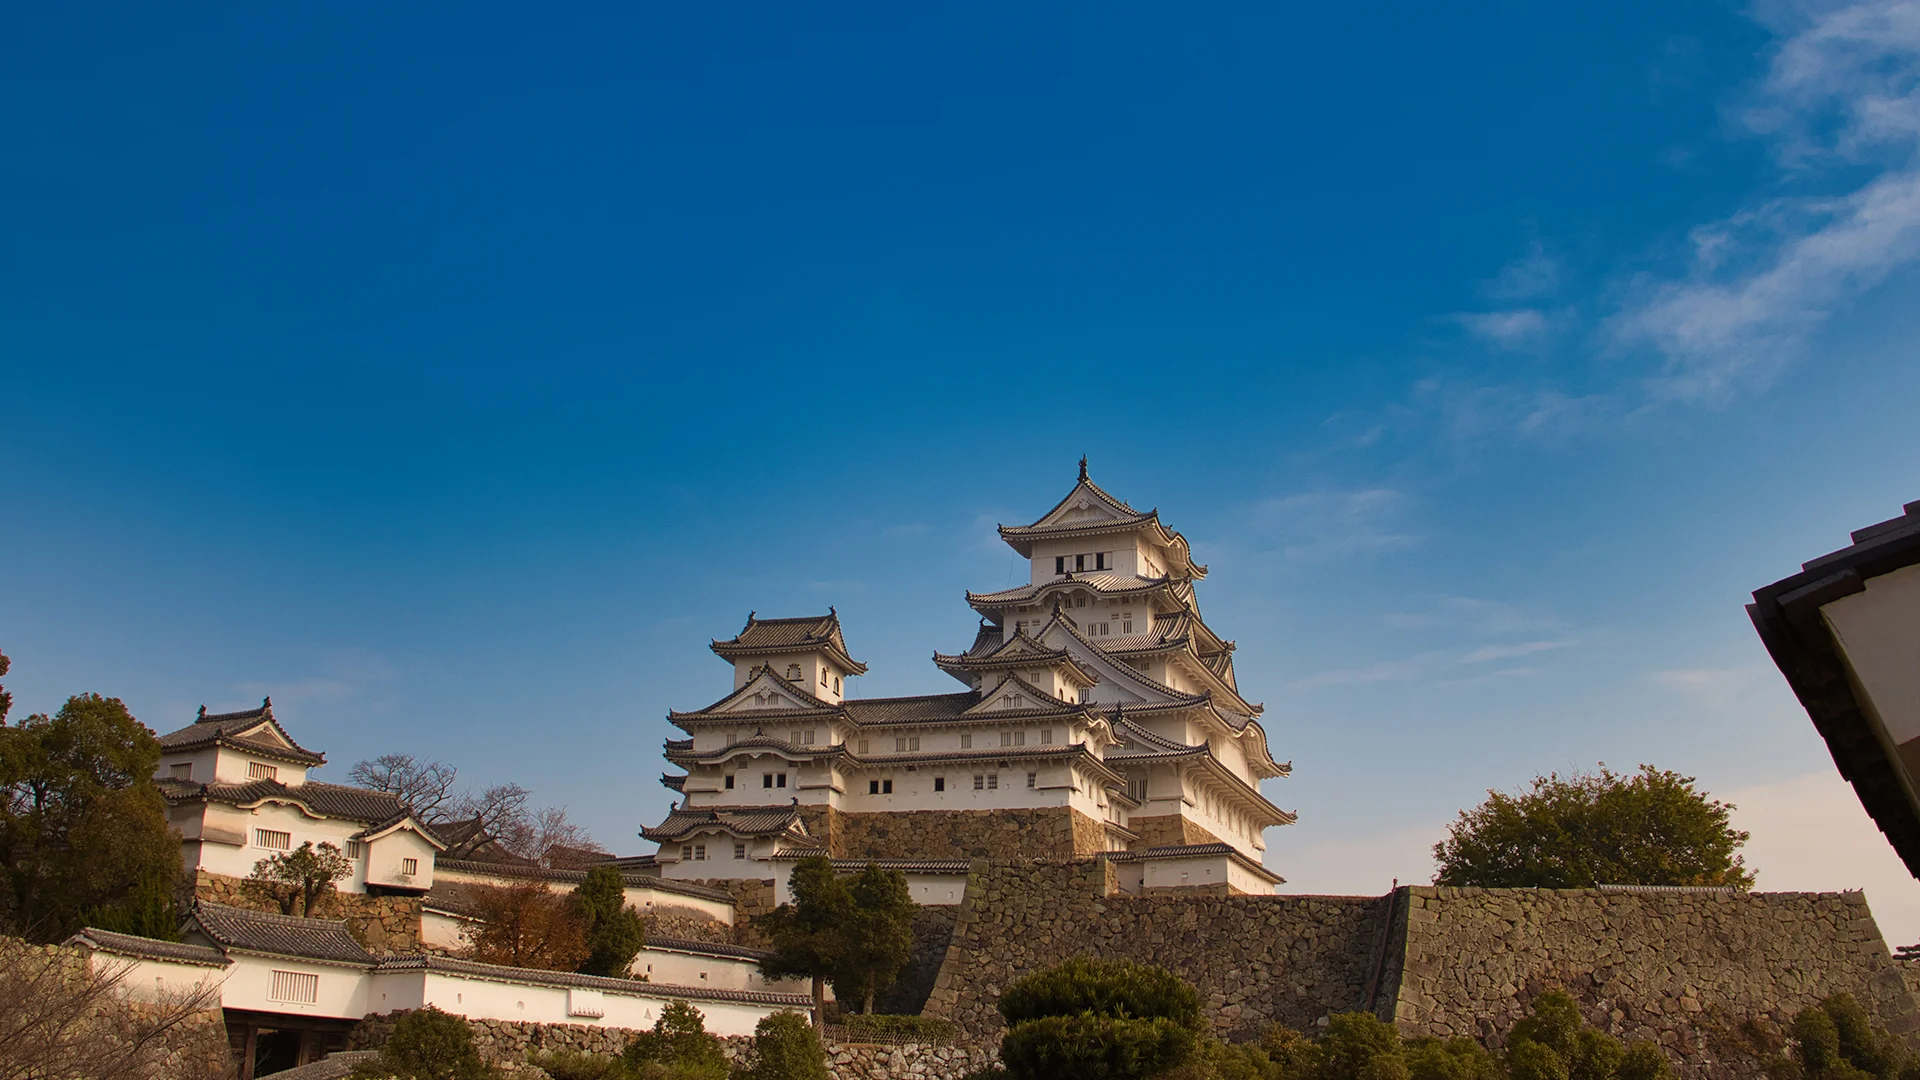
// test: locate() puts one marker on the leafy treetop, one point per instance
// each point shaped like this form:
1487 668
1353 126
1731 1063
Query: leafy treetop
1649 828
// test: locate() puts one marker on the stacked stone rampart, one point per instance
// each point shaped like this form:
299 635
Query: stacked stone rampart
1667 965
508 1042
1673 966
1254 959
1028 832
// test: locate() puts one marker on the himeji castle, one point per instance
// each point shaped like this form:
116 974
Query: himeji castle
1100 716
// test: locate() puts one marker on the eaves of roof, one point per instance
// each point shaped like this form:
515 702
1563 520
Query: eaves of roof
541 873
1787 616
634 987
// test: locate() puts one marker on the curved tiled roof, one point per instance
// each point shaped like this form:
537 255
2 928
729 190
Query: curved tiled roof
705 948
925 708
234 729
905 866
129 945
541 873
805 634
418 961
1103 582
329 800
280 935
756 742
754 821
808 704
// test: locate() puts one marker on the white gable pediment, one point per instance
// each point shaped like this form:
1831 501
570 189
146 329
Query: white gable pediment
766 692
1011 694
1118 683
264 732
1080 508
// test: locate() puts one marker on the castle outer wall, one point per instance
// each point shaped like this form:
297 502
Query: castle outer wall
1662 965
1038 832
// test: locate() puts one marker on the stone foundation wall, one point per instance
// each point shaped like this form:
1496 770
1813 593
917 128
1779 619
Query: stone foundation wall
508 1042
1669 966
750 897
932 935
1655 965
381 924
1163 830
1038 832
1254 959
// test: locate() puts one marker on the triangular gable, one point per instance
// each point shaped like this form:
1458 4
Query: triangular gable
1086 504
1026 698
767 692
1133 684
264 731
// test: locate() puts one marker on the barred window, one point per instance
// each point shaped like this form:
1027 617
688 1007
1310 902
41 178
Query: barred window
1032 779
993 781
257 771
356 849
739 851
979 781
409 866
966 742
181 772
272 838
296 987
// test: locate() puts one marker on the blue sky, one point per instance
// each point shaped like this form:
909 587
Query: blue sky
453 375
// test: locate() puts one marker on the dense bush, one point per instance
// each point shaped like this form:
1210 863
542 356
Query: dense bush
785 1047
428 1044
1098 1020
574 1065
678 1048
1836 1040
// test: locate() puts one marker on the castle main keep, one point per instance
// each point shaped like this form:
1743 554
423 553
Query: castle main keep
1100 717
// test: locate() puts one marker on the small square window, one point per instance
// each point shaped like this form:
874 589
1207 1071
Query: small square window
766 779
257 771
806 738
780 780
1059 564
966 742
181 772
873 787
793 737
993 781
739 851
686 852
863 746
886 787
913 742
979 781
899 743
409 866
939 783
1020 738
729 781
1046 736
1006 738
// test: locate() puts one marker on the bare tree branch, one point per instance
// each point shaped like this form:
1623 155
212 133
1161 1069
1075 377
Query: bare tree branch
426 787
61 1016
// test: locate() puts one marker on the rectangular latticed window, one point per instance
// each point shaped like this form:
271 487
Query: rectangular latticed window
699 853
993 781
181 772
295 987
1046 736
257 771
966 742
409 866
273 838
979 781
739 851
1033 780
356 849
686 852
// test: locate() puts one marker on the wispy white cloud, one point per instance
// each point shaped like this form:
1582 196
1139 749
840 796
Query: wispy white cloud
1506 652
1530 277
1507 329
1476 615
1328 524
1843 87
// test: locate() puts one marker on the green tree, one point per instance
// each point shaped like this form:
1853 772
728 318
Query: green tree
1554 1042
615 932
1360 1046
1836 1040
878 935
1649 828
786 1047
82 825
1456 1058
1092 1019
428 1044
678 1046
809 933
296 881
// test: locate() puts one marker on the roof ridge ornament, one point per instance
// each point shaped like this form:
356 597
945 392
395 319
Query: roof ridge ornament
1083 467
203 713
